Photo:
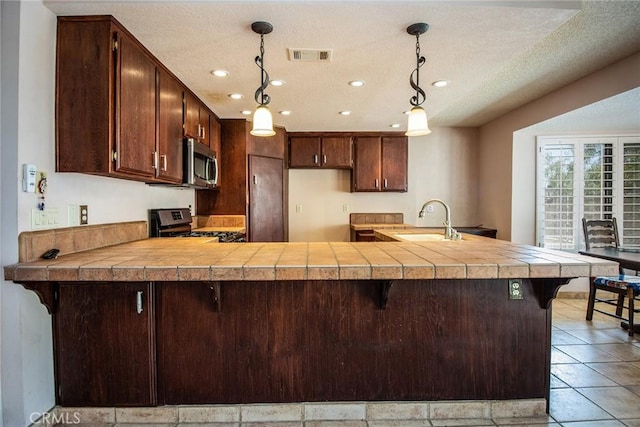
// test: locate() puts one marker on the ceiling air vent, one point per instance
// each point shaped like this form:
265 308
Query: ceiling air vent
320 55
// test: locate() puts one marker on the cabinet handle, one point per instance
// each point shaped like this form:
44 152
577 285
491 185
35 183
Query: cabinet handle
155 160
203 134
315 159
255 179
376 185
385 183
199 131
164 162
324 158
139 302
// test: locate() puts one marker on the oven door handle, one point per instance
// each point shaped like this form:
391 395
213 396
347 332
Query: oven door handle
167 232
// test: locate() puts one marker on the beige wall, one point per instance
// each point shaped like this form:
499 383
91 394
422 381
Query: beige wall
500 187
441 165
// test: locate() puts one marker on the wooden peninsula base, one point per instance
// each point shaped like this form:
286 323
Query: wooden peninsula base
166 343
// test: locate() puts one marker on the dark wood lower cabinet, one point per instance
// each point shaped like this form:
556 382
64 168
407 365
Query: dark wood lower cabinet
166 343
105 344
338 341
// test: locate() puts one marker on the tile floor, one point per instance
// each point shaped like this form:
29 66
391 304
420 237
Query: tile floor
595 381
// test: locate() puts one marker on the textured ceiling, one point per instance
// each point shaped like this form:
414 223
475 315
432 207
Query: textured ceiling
498 55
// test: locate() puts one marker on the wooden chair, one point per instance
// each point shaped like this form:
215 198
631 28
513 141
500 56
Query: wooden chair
599 233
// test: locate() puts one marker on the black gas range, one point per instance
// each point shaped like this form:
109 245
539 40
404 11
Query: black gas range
177 223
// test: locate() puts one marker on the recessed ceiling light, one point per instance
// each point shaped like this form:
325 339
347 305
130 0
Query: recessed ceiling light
285 112
246 112
220 73
277 82
440 83
345 113
235 95
395 125
356 83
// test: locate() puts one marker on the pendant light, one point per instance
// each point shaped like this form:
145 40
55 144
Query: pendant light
417 124
262 120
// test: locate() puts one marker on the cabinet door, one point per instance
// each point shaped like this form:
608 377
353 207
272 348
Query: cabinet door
135 110
337 153
191 366
304 152
366 170
169 128
205 119
394 164
104 344
266 214
191 116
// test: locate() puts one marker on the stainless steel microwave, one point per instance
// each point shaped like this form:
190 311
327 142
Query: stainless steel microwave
200 165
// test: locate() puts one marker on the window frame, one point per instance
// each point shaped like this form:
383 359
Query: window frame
578 144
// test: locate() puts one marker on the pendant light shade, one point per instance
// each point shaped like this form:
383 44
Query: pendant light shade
417 123
262 122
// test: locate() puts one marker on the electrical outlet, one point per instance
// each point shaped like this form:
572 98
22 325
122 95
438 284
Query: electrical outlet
84 214
345 208
298 208
515 289
429 208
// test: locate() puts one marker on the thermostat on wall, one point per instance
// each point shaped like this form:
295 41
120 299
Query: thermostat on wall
29 178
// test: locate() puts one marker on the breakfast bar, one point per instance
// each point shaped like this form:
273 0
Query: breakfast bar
191 321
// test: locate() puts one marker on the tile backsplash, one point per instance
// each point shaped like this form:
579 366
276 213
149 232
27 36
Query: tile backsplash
32 244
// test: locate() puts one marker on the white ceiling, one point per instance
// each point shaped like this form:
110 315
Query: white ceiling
498 55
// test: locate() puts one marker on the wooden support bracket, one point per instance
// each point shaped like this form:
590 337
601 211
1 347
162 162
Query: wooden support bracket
546 289
46 292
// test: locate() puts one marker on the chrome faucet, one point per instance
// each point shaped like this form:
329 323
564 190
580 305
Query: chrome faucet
449 232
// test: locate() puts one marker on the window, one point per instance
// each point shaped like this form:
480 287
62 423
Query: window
591 177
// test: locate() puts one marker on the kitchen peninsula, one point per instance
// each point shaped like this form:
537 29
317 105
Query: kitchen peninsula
186 321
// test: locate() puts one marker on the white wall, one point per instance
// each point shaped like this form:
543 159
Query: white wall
501 170
441 165
28 72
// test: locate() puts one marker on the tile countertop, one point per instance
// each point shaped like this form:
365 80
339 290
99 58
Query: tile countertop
198 259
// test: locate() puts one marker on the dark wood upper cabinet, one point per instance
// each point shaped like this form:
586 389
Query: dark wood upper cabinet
198 121
119 111
135 96
105 344
304 152
170 93
330 152
394 163
380 164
